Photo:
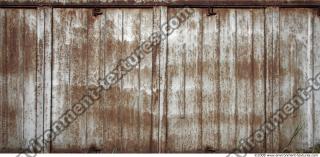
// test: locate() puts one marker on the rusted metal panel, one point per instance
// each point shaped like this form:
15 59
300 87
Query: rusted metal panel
15 71
295 69
2 79
94 121
155 87
163 81
168 3
45 40
184 86
316 69
124 125
147 70
22 78
245 70
258 79
211 86
272 60
244 59
69 73
112 39
227 104
130 85
213 82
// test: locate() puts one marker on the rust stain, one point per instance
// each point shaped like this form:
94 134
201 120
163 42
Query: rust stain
129 125
151 3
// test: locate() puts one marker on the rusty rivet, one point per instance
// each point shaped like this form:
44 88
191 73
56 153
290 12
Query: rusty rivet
209 149
211 12
97 11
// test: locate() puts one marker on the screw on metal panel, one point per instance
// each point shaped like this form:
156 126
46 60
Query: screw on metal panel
211 12
97 11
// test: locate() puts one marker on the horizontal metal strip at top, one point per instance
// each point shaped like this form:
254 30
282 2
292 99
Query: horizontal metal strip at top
168 3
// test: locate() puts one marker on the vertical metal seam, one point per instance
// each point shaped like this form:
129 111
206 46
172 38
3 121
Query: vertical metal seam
265 62
121 81
313 74
139 84
278 49
236 73
103 70
87 72
151 88
219 79
200 61
159 85
23 69
184 82
252 83
311 59
36 73
69 58
273 53
42 13
166 84
52 67
5 47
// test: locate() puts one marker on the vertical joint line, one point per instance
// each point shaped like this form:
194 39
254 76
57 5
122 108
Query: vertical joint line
236 81
265 62
184 82
51 82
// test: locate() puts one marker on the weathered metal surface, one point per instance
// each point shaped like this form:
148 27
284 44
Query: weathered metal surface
24 77
123 118
151 3
316 68
211 83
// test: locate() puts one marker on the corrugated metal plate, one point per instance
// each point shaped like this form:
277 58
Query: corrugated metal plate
123 120
213 82
24 88
226 73
169 3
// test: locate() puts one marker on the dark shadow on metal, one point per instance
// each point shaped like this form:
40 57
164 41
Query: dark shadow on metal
96 12
211 12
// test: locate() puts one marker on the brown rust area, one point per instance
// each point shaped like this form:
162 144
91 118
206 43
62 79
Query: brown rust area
20 47
123 115
225 119
273 69
119 104
13 44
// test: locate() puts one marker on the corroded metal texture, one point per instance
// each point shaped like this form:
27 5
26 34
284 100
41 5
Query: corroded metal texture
169 3
211 83
25 76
